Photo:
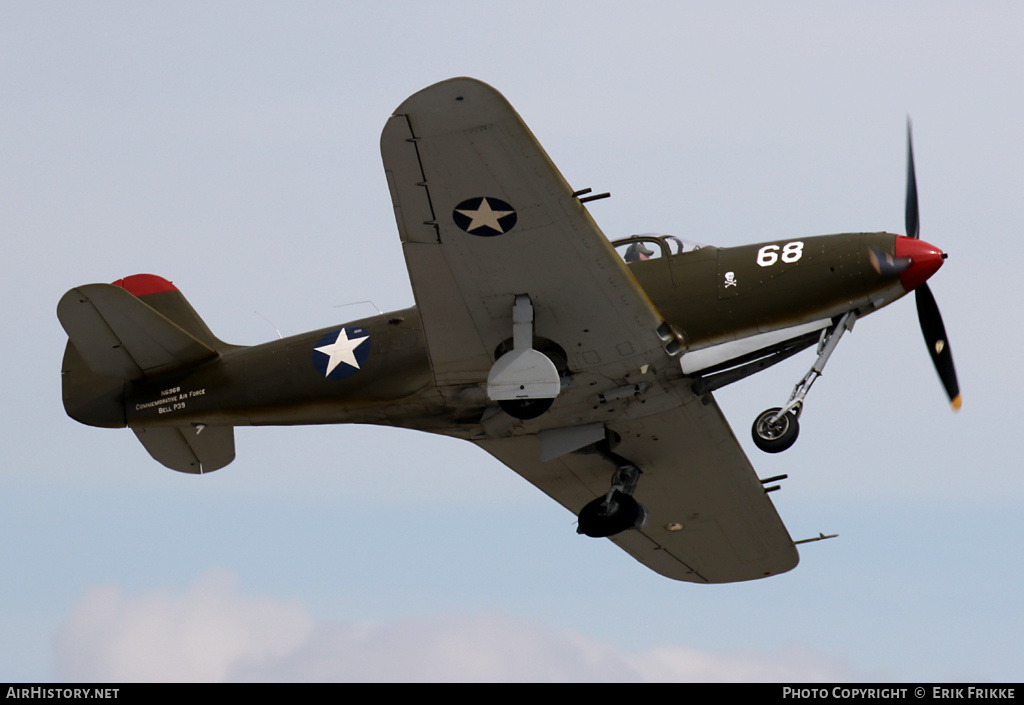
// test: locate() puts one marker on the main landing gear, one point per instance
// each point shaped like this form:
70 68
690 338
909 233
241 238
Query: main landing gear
523 381
525 409
617 510
776 429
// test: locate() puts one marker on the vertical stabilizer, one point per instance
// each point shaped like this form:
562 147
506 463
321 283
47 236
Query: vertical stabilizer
165 298
136 330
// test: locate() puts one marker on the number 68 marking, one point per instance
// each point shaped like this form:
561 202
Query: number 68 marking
769 254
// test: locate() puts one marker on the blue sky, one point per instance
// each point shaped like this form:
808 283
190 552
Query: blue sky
233 148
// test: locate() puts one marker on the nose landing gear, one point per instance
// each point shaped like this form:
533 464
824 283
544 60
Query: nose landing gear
776 429
774 432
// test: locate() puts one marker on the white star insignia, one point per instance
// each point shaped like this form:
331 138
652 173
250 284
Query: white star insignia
341 350
484 216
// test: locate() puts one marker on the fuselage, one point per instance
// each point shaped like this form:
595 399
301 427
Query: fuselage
709 296
579 368
715 295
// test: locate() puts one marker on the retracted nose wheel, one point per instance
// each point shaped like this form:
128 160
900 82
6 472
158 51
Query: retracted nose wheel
775 436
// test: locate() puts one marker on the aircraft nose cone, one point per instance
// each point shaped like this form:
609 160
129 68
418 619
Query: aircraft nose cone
925 260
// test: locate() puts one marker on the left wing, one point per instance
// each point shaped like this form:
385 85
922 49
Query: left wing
485 216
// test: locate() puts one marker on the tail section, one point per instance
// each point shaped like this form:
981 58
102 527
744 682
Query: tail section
162 296
136 329
122 337
192 449
89 398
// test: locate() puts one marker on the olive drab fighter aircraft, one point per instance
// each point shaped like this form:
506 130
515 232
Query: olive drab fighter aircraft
586 366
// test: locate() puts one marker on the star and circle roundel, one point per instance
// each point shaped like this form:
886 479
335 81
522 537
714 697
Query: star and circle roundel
484 216
341 353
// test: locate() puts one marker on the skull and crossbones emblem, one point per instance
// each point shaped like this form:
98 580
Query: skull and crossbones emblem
730 279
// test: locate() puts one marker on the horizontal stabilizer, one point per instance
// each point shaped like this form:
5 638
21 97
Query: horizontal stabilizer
192 449
120 336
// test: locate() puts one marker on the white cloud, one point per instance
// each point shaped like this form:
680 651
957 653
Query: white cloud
210 632
690 665
195 635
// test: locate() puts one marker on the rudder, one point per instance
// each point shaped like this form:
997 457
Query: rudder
136 329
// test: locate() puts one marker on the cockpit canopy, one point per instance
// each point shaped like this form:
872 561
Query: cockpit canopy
645 246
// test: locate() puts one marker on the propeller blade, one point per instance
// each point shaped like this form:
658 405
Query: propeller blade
938 347
912 222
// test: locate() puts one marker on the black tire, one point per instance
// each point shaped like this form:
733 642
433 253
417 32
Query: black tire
597 522
777 437
525 409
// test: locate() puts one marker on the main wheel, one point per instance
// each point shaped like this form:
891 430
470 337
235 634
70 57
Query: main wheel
525 409
599 520
778 436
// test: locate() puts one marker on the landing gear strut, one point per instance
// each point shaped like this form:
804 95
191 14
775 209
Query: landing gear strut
617 510
776 429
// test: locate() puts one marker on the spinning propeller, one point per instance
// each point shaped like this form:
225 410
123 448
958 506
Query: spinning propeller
915 261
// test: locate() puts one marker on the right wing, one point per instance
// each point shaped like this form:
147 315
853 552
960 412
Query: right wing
709 518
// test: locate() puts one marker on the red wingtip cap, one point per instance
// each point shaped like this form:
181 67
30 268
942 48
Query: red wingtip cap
142 284
925 260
